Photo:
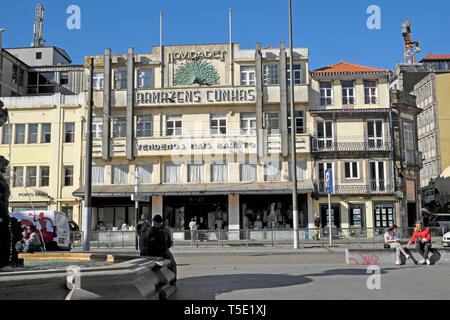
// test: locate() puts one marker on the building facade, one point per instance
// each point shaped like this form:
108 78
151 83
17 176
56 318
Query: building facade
351 114
201 130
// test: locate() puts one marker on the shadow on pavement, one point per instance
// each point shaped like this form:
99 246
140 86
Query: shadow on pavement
208 287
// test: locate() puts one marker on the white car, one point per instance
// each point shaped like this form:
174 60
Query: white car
446 240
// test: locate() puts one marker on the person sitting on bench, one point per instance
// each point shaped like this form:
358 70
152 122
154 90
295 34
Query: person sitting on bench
422 238
391 238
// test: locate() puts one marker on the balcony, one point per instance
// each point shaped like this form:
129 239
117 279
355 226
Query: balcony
367 187
413 158
331 145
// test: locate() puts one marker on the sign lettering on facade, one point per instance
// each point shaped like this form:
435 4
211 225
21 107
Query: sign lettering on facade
195 96
193 55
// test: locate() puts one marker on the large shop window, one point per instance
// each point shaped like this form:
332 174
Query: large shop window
98 174
144 173
248 172
196 172
357 215
219 172
120 174
384 215
172 172
335 215
272 171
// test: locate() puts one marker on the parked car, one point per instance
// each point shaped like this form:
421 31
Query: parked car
52 227
446 240
74 230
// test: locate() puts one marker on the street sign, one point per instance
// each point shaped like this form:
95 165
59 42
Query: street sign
329 181
139 198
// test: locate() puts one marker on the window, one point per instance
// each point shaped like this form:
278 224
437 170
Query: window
323 167
68 176
172 172
357 215
18 176
348 93
6 134
271 75
301 170
33 133
120 79
408 136
98 174
351 170
248 123
99 80
64 78
45 176
377 176
248 172
443 65
272 122
144 173
299 122
46 134
370 92
174 126
196 172
15 74
69 132
272 171
120 127
326 93
247 76
144 126
219 172
20 134
145 79
120 174
375 134
38 55
31 176
325 138
218 124
97 127
297 74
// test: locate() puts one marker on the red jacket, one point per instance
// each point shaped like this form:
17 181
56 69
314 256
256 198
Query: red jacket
424 234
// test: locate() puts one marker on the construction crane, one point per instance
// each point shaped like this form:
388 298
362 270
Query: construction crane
39 27
411 47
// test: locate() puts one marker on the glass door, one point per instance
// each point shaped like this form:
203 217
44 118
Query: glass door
377 176
375 136
325 139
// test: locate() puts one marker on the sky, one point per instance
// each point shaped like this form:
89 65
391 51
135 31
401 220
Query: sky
332 30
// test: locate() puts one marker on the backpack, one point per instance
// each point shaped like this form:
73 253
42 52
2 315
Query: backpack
156 242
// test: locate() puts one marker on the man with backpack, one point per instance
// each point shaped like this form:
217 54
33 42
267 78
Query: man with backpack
159 241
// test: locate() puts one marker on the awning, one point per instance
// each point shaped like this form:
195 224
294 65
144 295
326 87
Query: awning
306 186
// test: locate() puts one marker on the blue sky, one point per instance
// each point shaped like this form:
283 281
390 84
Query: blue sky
332 30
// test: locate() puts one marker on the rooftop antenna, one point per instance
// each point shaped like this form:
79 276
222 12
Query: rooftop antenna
39 27
411 47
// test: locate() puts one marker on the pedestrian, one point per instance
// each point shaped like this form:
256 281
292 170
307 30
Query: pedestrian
422 239
193 227
33 243
202 226
316 227
141 232
391 238
159 242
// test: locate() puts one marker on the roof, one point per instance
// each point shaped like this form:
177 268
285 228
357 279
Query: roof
198 189
436 57
347 67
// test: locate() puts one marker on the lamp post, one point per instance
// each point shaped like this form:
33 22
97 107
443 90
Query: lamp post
293 140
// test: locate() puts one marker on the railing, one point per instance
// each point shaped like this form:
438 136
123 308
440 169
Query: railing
266 237
330 145
364 187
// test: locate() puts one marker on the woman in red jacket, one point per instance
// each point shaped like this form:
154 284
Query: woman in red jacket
423 243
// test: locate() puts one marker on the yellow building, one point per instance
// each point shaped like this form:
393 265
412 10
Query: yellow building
351 128
43 144
204 129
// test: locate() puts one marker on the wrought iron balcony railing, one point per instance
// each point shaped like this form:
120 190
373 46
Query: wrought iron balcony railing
330 145
358 188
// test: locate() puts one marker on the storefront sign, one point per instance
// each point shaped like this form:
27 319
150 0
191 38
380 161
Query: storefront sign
195 96
36 194
193 55
235 145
